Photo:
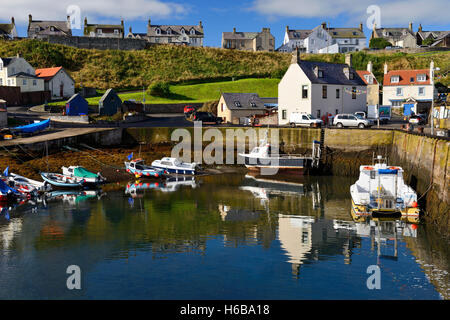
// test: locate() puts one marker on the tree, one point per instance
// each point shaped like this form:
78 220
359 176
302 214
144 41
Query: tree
159 89
379 43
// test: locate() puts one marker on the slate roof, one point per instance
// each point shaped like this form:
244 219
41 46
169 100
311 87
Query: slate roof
24 75
245 100
433 34
44 27
398 33
240 35
106 28
333 73
75 96
174 29
107 93
298 34
363 73
405 77
345 33
7 61
6 28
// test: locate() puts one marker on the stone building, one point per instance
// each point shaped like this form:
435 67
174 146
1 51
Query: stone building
398 37
41 28
251 41
8 30
103 30
233 106
373 87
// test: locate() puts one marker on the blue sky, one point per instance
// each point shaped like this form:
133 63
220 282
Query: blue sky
245 15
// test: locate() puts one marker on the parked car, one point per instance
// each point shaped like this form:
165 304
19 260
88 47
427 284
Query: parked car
206 117
418 119
304 119
350 120
362 115
188 110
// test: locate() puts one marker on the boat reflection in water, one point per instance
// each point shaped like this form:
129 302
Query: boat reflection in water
73 197
137 189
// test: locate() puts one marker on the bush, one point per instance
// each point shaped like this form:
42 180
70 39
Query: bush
159 89
379 43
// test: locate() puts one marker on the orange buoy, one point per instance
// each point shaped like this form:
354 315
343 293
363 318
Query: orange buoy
414 226
414 204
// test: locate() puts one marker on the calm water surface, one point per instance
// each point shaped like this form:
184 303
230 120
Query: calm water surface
216 237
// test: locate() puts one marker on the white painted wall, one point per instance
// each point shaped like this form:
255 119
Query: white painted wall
390 93
61 78
20 65
317 39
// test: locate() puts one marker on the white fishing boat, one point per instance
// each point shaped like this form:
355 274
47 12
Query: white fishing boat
173 165
381 190
262 157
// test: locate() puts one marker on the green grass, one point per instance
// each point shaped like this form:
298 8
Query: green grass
203 92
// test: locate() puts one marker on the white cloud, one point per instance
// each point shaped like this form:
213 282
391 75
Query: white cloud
107 10
393 12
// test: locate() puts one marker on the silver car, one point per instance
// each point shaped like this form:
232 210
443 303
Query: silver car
350 120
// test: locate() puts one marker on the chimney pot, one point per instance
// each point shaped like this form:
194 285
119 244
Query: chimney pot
30 18
12 20
369 66
234 30
410 26
348 59
361 27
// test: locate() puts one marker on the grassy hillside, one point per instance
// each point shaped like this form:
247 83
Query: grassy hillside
175 64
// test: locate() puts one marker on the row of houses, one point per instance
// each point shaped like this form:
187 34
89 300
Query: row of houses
323 89
17 72
321 39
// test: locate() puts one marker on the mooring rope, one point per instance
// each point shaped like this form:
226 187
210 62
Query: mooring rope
93 158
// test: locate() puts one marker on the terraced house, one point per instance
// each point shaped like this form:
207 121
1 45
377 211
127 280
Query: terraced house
410 90
398 37
42 28
17 72
103 30
251 41
433 38
8 30
294 38
190 35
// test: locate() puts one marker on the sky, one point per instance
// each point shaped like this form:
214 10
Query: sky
244 15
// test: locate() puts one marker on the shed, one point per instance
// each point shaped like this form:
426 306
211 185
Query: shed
132 106
109 103
76 105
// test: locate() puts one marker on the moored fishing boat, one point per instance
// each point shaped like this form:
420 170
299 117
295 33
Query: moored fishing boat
381 191
81 173
60 180
261 158
23 184
138 168
173 165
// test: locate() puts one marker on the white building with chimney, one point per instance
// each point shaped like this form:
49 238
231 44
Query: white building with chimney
319 88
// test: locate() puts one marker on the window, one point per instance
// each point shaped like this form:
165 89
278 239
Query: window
116 31
304 117
157 40
421 77
283 114
305 92
237 103
1 81
353 92
192 31
324 92
221 107
9 82
399 91
396 103
169 31
411 79
99 31
351 76
320 74
253 105
34 82
337 93
158 31
421 91
337 111
395 79
182 31
1 65
318 114
24 82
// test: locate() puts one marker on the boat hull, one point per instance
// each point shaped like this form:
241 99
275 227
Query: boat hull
56 183
361 211
285 165
176 170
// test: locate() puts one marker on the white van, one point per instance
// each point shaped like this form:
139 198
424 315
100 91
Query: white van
303 119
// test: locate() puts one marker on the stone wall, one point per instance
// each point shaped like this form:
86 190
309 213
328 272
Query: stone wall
98 43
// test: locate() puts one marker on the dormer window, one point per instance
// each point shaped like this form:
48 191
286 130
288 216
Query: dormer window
36 29
169 31
158 31
116 31
421 77
351 76
182 31
192 31
320 73
99 31
52 29
237 103
253 105
411 79
395 79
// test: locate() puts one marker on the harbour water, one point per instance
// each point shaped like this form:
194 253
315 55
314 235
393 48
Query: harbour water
228 236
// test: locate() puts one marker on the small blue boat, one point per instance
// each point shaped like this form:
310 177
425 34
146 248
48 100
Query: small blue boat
32 128
60 180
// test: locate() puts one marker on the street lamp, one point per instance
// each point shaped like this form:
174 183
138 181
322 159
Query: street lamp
432 69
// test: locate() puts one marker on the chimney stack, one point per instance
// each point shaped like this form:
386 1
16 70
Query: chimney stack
85 21
369 66
295 56
121 22
324 25
385 68
361 27
130 30
420 28
200 24
30 18
410 26
348 59
12 20
287 29
149 22
234 30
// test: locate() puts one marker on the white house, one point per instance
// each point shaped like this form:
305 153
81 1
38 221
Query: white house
323 39
319 88
408 89
17 72
57 81
294 39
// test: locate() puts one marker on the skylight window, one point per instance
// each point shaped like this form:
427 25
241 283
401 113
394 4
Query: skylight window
237 103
